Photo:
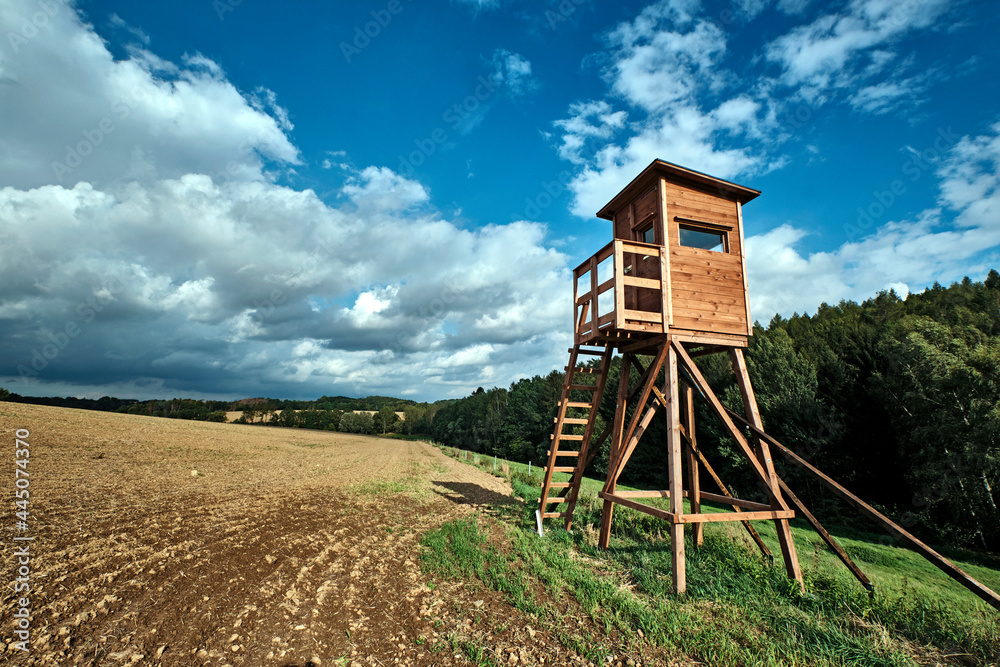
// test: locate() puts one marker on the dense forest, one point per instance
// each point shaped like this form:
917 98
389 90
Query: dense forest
897 399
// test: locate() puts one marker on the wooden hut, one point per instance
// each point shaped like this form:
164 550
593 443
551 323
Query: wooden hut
676 263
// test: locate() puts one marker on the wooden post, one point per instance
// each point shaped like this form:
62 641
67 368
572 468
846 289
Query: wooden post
594 310
764 456
617 433
674 446
694 481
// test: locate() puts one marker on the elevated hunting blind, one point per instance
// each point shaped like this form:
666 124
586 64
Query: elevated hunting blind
672 286
693 282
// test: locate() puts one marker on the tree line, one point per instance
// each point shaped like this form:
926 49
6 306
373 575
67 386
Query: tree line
898 399
337 413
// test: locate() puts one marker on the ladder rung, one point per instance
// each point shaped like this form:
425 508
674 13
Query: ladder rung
559 485
594 353
563 469
574 420
556 500
570 453
583 387
566 436
582 369
553 515
577 404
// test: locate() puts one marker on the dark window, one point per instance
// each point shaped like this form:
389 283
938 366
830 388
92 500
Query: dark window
648 235
706 239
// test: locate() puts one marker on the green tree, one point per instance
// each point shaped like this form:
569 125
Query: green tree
944 391
385 419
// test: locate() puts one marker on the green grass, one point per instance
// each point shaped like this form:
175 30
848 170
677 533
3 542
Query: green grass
740 609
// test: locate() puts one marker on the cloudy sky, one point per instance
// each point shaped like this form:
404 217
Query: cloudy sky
229 198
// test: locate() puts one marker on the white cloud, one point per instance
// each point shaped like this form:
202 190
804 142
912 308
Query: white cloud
941 244
513 71
666 68
671 77
382 189
121 24
82 115
588 120
657 66
183 268
883 97
833 50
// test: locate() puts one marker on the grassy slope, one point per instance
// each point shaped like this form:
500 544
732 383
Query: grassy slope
740 609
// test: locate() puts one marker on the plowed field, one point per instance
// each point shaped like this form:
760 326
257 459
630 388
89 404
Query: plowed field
162 542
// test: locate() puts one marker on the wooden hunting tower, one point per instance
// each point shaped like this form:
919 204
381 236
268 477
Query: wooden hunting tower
678 235
672 286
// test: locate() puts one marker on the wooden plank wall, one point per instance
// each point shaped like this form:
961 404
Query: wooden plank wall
639 214
707 287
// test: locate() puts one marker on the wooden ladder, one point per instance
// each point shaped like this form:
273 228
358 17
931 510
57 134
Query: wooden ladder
572 446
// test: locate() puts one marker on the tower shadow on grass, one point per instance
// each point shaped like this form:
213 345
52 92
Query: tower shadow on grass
467 493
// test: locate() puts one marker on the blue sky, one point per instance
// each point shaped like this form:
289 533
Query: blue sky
227 199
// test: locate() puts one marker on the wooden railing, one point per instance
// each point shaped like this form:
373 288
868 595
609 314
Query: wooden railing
619 295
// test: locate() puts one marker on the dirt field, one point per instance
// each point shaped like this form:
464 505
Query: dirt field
163 542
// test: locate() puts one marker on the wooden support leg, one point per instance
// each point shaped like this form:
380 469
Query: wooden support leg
674 446
764 456
694 480
617 434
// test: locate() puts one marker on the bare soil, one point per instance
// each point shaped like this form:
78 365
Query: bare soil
165 542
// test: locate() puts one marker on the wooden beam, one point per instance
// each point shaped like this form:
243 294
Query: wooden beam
645 494
734 516
721 412
827 537
668 305
614 498
710 497
594 310
694 480
675 472
607 513
706 350
619 293
743 263
651 373
653 343
785 540
722 487
942 563
734 502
